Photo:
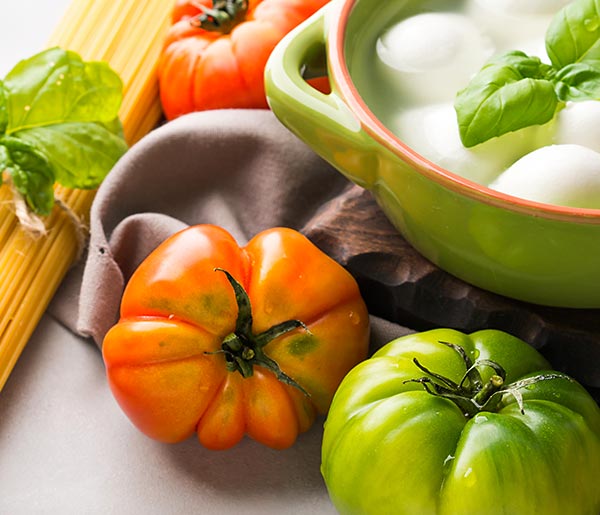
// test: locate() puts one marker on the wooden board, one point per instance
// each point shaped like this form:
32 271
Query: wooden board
400 285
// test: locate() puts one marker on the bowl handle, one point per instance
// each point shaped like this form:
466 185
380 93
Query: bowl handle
323 121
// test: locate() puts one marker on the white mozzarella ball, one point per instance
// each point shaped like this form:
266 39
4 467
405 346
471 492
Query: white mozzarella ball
563 175
432 131
430 56
579 123
509 21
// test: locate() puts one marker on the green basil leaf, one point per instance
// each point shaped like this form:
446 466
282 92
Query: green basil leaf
3 111
31 173
59 115
4 161
510 92
524 65
578 82
574 34
56 86
114 127
82 153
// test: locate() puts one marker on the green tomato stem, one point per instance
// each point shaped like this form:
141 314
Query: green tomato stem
471 395
490 388
243 349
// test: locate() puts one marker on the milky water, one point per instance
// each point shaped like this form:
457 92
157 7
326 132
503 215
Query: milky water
430 51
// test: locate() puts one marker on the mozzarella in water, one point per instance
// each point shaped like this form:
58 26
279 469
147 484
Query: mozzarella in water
520 7
510 21
429 57
432 131
579 123
563 175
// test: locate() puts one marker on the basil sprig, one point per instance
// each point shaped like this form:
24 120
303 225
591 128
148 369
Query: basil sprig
59 123
514 90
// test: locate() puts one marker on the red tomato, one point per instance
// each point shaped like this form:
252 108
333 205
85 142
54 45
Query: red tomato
219 62
196 350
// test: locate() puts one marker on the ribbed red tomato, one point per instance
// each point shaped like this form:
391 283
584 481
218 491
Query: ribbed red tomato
215 53
196 350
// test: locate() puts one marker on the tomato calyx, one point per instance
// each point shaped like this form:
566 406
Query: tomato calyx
243 349
472 395
223 17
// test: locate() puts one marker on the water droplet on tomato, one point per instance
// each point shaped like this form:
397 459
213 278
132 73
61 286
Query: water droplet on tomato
480 419
354 318
469 477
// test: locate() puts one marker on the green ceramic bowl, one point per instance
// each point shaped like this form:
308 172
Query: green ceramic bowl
524 250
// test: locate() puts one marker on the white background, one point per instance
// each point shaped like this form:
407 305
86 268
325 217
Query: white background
25 26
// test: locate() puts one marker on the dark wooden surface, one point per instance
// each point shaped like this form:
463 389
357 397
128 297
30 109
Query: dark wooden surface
398 284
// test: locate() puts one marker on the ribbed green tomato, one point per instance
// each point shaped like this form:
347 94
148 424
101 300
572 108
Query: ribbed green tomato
445 423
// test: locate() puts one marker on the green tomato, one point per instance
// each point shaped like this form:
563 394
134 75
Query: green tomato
445 423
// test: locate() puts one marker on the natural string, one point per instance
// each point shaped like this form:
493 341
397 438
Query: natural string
35 225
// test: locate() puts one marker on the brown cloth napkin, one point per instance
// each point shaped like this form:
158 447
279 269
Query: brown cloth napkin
240 169
243 170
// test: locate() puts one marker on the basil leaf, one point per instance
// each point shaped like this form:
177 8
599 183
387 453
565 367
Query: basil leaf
114 127
3 111
510 92
574 34
578 82
31 172
525 65
59 117
82 153
56 86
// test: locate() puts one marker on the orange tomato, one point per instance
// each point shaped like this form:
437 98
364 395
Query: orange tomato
215 53
226 341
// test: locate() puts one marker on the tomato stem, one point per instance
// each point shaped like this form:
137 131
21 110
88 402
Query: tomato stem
243 349
471 394
223 17
488 390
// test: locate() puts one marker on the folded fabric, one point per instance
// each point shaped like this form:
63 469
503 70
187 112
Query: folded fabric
242 170
239 169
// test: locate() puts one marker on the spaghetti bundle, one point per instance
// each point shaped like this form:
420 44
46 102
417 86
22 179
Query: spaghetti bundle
128 34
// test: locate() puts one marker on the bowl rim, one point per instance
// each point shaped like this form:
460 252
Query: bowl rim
340 76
